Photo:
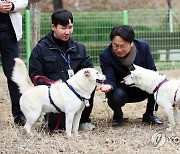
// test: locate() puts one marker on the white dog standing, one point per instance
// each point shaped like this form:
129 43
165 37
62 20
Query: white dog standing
68 97
166 92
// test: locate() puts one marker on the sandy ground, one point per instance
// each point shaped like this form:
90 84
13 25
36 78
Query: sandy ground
132 137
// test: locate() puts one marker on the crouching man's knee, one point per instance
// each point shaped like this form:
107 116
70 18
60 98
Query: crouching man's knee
116 98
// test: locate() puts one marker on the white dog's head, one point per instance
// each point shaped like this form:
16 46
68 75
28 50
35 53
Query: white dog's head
134 78
85 81
144 79
94 75
128 80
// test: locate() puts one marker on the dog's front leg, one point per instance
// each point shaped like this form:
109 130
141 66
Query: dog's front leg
28 127
69 121
177 113
76 121
170 115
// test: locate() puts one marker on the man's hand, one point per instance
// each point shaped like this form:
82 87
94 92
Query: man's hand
5 6
106 88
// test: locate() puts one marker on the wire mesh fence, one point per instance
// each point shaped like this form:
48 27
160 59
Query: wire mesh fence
161 28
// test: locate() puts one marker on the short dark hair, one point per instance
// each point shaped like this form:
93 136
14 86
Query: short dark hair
124 31
61 16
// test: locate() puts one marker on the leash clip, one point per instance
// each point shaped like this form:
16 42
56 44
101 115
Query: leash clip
86 101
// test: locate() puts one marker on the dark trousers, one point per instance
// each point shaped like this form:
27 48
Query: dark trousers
118 97
87 110
9 51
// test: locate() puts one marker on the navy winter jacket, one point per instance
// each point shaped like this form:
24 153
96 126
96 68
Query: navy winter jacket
46 59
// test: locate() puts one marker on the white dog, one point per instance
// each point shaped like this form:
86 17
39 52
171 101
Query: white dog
68 97
166 92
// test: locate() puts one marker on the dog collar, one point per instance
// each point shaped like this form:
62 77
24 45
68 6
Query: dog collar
70 87
86 101
159 85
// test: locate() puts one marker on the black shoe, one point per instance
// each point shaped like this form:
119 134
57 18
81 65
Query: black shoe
117 118
151 119
117 123
120 122
20 120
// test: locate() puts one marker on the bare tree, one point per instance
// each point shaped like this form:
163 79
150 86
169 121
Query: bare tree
35 21
169 3
57 4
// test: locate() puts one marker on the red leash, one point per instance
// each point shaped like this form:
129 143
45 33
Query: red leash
42 78
57 124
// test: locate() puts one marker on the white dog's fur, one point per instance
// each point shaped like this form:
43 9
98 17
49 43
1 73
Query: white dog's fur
35 102
148 80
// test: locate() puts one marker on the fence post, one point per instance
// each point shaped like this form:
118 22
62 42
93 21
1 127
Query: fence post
28 37
125 17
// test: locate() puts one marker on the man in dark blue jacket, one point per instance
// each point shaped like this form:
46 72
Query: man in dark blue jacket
57 56
116 61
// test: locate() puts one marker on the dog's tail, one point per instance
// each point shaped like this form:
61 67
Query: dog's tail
20 75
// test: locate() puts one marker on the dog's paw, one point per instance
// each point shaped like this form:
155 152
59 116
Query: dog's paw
68 135
76 134
30 133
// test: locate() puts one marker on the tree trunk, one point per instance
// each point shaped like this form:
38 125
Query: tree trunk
35 21
57 4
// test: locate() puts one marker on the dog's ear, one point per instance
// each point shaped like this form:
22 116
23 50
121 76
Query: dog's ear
87 73
131 67
135 66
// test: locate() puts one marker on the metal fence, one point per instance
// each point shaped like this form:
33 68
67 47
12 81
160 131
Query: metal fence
161 28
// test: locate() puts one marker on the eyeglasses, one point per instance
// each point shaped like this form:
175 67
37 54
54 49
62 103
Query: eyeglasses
121 47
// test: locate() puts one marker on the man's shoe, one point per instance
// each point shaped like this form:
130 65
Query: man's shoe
117 123
87 126
20 120
152 119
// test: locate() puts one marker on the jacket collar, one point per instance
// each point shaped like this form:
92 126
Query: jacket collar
53 45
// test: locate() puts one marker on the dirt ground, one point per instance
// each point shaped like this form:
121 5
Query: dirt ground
132 137
108 5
